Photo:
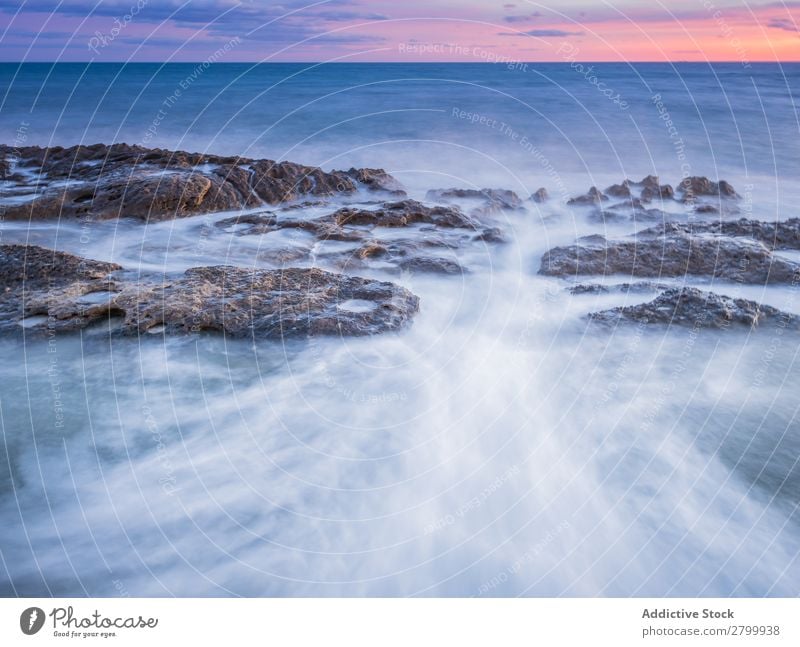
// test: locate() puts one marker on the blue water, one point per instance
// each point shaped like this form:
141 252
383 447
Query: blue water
734 122
497 447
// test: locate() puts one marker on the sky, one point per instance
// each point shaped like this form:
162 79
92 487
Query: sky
400 30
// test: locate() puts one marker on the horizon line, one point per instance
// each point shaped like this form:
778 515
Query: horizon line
334 62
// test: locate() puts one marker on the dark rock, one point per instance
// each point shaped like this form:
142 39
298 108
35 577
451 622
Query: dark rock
104 182
675 254
782 234
491 235
495 198
597 288
619 190
697 309
649 182
540 195
431 265
35 268
377 180
695 186
402 214
663 192
706 208
592 197
235 301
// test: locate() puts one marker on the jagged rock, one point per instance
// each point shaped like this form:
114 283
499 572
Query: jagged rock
54 291
118 181
495 198
491 235
649 182
782 234
592 197
698 309
619 190
403 254
673 254
402 214
378 180
702 186
597 288
663 192
540 195
35 268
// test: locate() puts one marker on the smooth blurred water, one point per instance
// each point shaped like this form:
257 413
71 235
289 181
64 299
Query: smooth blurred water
499 446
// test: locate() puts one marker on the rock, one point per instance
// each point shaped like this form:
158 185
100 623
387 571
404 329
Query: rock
235 301
695 186
431 265
597 288
35 268
664 192
495 198
619 190
540 195
407 255
377 180
102 182
697 309
402 214
673 254
706 208
491 235
592 197
649 182
782 234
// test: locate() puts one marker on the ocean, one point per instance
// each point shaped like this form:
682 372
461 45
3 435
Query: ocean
501 445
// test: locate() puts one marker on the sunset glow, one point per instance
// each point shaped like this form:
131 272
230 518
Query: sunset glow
442 30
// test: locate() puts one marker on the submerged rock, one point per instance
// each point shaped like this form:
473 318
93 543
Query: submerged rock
495 198
235 301
702 186
698 309
118 181
673 254
402 214
540 195
594 196
598 288
783 234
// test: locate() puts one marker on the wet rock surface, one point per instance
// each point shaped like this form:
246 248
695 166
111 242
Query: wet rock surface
698 309
599 288
120 181
493 198
672 254
239 302
630 199
784 234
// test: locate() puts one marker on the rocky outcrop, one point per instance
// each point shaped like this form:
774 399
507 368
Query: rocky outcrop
235 301
694 186
593 196
540 195
783 234
402 214
673 254
598 288
698 309
493 198
121 181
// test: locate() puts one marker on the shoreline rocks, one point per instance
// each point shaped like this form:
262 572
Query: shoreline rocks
120 181
672 254
694 308
239 302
